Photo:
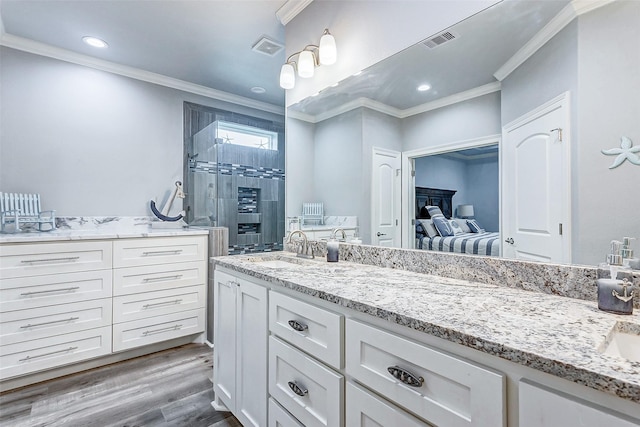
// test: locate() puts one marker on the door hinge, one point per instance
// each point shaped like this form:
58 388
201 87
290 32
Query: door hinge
559 133
413 222
413 173
396 222
560 229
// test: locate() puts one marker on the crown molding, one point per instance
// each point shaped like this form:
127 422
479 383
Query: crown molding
42 49
452 99
561 20
291 9
396 112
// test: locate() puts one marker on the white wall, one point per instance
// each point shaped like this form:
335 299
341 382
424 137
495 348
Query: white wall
92 143
367 32
480 116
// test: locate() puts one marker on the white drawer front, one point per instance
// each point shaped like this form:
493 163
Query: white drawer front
454 392
279 417
363 409
157 303
159 250
22 260
37 323
317 331
156 329
27 357
133 280
40 291
322 389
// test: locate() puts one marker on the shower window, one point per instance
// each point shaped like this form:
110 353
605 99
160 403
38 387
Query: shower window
248 136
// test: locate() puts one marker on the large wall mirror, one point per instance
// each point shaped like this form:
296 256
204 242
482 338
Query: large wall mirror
521 100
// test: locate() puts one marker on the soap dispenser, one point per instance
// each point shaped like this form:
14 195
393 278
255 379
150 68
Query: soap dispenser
615 296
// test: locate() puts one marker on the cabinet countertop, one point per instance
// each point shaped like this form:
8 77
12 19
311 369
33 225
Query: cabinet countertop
557 335
68 235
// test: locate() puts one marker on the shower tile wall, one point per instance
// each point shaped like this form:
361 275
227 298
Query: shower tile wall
250 194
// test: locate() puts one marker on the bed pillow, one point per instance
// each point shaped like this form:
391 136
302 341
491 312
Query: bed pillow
428 227
434 211
462 223
455 226
473 225
443 226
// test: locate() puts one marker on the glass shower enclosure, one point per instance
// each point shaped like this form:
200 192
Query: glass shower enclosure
235 179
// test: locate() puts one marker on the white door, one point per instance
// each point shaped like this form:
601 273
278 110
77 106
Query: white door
385 198
536 184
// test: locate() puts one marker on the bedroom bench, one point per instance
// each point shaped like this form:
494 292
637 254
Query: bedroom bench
19 209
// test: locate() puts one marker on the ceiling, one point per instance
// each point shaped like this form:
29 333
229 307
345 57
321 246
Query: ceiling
483 44
205 42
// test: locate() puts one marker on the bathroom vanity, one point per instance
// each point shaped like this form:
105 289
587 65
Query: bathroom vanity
350 343
73 300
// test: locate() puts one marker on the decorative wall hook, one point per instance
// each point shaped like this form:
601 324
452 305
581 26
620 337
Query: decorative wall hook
625 152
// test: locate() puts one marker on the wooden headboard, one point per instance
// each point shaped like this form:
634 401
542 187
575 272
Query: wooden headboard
434 197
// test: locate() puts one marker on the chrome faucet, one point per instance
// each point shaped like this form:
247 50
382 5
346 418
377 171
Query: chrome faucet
304 248
335 230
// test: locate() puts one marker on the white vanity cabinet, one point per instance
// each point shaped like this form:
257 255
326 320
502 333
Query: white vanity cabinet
55 305
540 406
240 356
159 289
440 388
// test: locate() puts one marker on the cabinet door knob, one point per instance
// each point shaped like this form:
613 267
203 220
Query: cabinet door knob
405 376
297 389
300 327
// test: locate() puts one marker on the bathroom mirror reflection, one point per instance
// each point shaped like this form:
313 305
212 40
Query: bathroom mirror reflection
489 76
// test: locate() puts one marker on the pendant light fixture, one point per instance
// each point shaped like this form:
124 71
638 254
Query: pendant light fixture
308 59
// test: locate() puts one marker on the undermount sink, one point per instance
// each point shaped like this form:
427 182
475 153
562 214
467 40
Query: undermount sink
623 341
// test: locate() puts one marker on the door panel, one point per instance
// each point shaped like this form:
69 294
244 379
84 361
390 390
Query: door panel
385 198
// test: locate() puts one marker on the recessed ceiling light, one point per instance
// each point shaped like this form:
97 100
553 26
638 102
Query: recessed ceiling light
424 87
94 41
258 89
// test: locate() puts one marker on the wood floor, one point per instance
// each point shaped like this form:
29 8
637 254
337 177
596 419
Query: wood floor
169 388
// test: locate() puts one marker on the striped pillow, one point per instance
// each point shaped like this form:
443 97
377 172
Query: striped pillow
473 225
443 226
428 227
434 211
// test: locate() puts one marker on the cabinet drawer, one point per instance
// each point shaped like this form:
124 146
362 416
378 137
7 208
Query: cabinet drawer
133 280
453 392
319 391
31 292
37 323
32 356
156 329
317 331
279 417
22 260
363 409
159 250
157 303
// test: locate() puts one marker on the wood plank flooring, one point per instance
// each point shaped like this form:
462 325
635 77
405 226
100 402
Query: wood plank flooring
168 388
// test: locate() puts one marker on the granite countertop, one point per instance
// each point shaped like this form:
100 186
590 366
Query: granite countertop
557 335
73 234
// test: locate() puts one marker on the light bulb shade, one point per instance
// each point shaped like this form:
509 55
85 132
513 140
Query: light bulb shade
287 76
328 53
465 211
306 64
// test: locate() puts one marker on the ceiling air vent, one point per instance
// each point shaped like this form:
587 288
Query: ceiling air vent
267 46
440 39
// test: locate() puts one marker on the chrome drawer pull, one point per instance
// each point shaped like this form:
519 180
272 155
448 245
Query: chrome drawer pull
156 253
161 279
50 290
297 390
177 301
300 327
65 259
157 331
34 325
47 354
405 376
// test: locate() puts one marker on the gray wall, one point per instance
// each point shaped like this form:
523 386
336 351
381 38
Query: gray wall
444 173
607 201
91 142
481 117
300 163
